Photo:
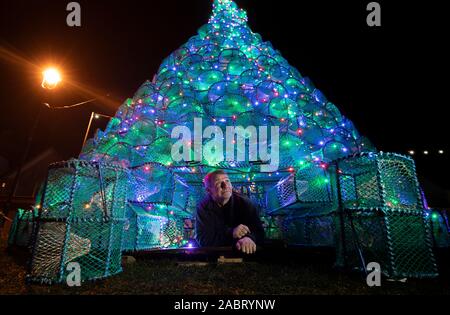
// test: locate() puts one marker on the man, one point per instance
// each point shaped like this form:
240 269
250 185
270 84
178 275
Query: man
226 218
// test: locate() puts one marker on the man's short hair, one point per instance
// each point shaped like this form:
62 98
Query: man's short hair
209 178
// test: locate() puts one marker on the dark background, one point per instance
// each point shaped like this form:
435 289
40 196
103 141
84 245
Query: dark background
390 81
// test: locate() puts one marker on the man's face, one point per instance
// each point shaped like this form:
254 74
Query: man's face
220 188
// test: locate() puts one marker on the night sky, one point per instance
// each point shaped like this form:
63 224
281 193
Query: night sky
390 81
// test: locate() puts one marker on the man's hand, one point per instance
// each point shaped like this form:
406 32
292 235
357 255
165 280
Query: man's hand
246 245
240 232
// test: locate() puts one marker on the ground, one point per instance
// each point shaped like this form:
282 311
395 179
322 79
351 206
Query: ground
285 273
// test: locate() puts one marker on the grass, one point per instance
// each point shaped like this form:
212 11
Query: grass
274 273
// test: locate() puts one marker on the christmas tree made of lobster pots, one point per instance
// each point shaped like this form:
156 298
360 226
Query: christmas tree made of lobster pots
224 77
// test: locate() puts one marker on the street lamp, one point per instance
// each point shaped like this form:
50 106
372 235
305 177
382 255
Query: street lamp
51 78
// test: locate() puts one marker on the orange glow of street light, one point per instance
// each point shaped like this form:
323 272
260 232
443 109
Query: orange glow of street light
51 78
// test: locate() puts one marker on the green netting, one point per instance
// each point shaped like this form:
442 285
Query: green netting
155 226
440 227
365 231
376 181
81 220
381 218
314 231
22 228
151 183
309 188
410 241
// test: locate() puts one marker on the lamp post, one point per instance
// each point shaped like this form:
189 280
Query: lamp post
50 80
93 116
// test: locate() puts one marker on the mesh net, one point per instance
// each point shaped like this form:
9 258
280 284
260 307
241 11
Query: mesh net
398 178
22 228
310 231
358 179
439 223
366 229
381 217
411 256
309 188
156 226
82 221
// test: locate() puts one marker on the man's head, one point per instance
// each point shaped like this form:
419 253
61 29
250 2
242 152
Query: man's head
219 186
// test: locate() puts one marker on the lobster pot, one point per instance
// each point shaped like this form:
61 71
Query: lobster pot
399 241
303 203
156 226
317 231
130 231
151 183
306 189
81 221
381 218
380 180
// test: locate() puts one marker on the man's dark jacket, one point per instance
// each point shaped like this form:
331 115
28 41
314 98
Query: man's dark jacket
215 225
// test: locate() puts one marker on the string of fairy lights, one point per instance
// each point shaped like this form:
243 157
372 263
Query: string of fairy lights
427 153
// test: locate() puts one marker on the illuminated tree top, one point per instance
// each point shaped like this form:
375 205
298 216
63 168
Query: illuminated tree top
227 11
227 75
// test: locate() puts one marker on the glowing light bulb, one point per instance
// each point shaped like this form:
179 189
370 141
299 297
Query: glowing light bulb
51 78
